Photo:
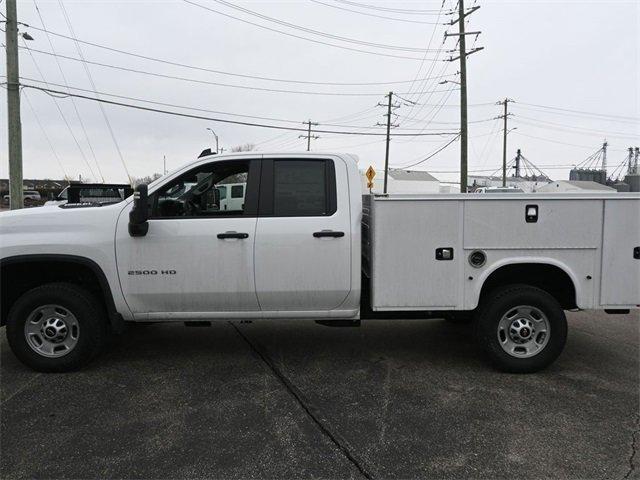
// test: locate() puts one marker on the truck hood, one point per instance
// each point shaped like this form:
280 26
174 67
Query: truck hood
44 218
54 229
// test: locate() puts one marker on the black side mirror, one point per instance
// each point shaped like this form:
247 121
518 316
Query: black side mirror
138 216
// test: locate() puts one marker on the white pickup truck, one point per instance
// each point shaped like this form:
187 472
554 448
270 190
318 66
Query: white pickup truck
305 244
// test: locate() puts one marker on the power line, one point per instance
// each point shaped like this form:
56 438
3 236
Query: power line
555 167
75 107
493 135
580 111
164 104
299 36
221 72
423 85
420 99
562 143
436 109
317 32
348 145
377 127
63 94
599 132
413 113
93 86
64 117
374 15
352 115
46 136
287 143
485 120
578 115
272 139
207 82
593 133
432 154
387 9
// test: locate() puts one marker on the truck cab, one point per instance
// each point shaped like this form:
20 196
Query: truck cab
211 253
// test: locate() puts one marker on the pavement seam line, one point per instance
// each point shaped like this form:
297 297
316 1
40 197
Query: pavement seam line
339 442
634 448
21 389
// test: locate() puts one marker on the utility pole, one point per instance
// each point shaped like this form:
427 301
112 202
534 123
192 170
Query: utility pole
13 107
164 164
504 116
389 125
604 156
386 152
462 42
308 136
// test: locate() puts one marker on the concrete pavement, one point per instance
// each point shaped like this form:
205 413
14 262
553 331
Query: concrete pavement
286 399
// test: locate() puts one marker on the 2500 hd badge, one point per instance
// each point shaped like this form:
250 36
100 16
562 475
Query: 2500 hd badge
151 272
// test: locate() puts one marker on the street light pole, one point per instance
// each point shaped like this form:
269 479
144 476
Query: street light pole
216 137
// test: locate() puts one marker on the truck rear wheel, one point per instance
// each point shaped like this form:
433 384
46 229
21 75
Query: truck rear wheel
56 327
521 328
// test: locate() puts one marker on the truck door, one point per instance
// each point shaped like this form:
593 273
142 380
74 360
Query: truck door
303 235
196 257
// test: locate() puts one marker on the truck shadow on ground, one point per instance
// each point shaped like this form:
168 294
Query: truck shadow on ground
432 341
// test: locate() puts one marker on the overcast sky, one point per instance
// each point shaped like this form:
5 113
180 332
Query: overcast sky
579 56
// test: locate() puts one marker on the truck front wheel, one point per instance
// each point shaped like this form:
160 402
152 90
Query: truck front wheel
521 328
56 327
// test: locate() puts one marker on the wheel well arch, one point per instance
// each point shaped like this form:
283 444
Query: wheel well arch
548 277
22 273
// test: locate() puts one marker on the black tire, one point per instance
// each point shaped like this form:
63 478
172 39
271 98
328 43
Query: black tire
88 311
504 300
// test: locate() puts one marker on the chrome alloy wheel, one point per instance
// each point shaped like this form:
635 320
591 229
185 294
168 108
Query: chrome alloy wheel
51 331
523 331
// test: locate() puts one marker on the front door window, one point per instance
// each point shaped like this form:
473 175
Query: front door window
216 189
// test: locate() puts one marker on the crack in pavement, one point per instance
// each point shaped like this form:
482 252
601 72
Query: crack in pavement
21 388
310 410
634 448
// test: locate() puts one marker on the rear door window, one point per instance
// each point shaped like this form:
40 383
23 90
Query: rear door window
298 188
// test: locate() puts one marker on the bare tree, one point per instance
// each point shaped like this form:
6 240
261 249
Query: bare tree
148 179
247 147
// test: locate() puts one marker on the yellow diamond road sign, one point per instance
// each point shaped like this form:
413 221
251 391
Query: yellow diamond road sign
370 173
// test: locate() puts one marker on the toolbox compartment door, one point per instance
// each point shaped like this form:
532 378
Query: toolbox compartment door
620 270
406 275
